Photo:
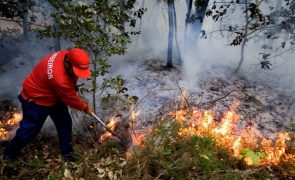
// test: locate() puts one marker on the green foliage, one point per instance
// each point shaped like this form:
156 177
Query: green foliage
112 145
199 3
54 177
116 83
103 67
95 27
255 156
9 9
132 99
36 162
265 64
14 8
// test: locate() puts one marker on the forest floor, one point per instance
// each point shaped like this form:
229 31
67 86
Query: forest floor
161 93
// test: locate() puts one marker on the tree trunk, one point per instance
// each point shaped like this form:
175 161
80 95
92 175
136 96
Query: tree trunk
176 37
188 14
122 3
171 33
94 85
244 39
202 10
57 45
25 25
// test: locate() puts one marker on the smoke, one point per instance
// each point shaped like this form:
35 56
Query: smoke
217 52
19 57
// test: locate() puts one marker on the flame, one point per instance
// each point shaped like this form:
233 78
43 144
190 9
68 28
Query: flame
3 134
112 126
7 129
229 133
134 115
234 137
236 145
139 136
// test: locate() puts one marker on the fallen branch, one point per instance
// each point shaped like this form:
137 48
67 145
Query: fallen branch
18 21
215 100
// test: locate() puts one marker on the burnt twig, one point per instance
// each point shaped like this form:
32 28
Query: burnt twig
215 100
183 95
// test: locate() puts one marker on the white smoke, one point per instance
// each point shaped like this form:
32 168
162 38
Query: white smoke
205 54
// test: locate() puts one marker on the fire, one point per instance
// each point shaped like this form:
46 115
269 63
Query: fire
111 125
3 134
15 120
231 135
139 136
228 133
7 128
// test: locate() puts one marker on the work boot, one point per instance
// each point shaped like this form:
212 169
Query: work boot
70 157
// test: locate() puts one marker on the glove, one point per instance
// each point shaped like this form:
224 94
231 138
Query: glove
89 110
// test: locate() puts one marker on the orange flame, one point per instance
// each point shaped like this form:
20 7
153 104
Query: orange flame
107 134
235 139
139 136
7 129
112 124
3 134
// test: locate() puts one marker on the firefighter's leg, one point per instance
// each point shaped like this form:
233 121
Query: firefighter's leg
33 119
59 113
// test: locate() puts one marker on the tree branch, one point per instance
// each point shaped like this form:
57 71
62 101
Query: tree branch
18 21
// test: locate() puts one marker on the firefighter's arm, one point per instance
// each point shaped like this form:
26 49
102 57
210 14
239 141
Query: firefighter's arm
67 94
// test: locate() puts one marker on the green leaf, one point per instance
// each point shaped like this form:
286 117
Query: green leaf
167 152
255 156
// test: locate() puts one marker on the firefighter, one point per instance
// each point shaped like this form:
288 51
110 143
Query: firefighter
49 90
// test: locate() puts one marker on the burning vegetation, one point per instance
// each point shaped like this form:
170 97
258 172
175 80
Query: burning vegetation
187 142
9 119
243 141
192 143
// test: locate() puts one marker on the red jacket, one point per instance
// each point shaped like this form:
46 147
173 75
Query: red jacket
49 82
